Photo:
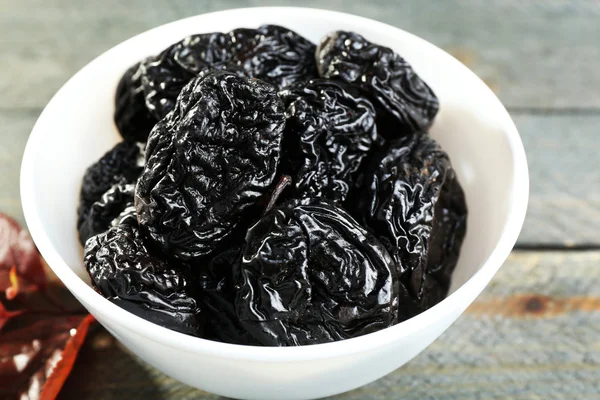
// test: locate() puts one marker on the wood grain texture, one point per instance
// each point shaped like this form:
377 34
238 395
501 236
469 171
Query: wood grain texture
534 54
529 353
562 152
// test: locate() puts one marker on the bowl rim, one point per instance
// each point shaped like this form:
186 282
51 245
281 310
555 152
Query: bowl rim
150 331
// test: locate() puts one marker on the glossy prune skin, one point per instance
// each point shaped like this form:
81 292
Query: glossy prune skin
398 200
124 271
131 115
306 274
448 232
165 75
278 56
106 210
329 130
121 165
218 293
208 163
148 90
405 103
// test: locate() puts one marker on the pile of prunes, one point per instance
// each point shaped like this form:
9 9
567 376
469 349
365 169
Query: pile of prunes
271 192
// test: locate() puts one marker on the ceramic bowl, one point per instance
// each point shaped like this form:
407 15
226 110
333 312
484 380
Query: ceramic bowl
77 127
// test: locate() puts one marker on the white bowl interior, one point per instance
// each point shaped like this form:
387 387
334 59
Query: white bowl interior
77 127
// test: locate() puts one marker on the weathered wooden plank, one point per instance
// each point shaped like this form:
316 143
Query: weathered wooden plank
14 131
562 151
534 54
43 43
532 352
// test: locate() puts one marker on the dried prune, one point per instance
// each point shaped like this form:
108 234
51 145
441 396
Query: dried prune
103 212
405 103
242 38
123 270
165 75
218 293
448 231
279 56
149 89
208 162
329 130
131 115
122 164
399 200
309 273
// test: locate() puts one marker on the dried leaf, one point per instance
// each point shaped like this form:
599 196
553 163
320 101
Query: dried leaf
18 250
63 367
40 334
36 359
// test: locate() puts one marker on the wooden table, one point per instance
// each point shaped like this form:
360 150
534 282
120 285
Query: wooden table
535 332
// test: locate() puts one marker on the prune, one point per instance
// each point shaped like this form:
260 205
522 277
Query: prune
399 201
122 164
165 75
218 293
103 212
131 116
405 103
208 162
278 56
309 273
242 38
329 130
149 89
448 232
123 270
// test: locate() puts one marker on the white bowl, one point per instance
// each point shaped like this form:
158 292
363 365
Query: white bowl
76 128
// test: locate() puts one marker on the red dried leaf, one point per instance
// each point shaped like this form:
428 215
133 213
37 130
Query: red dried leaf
36 359
63 367
40 344
18 250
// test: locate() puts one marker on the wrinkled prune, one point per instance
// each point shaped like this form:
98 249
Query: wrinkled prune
448 231
131 115
398 203
278 56
122 270
122 164
165 75
329 130
310 274
149 89
208 162
218 293
242 38
406 104
103 212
